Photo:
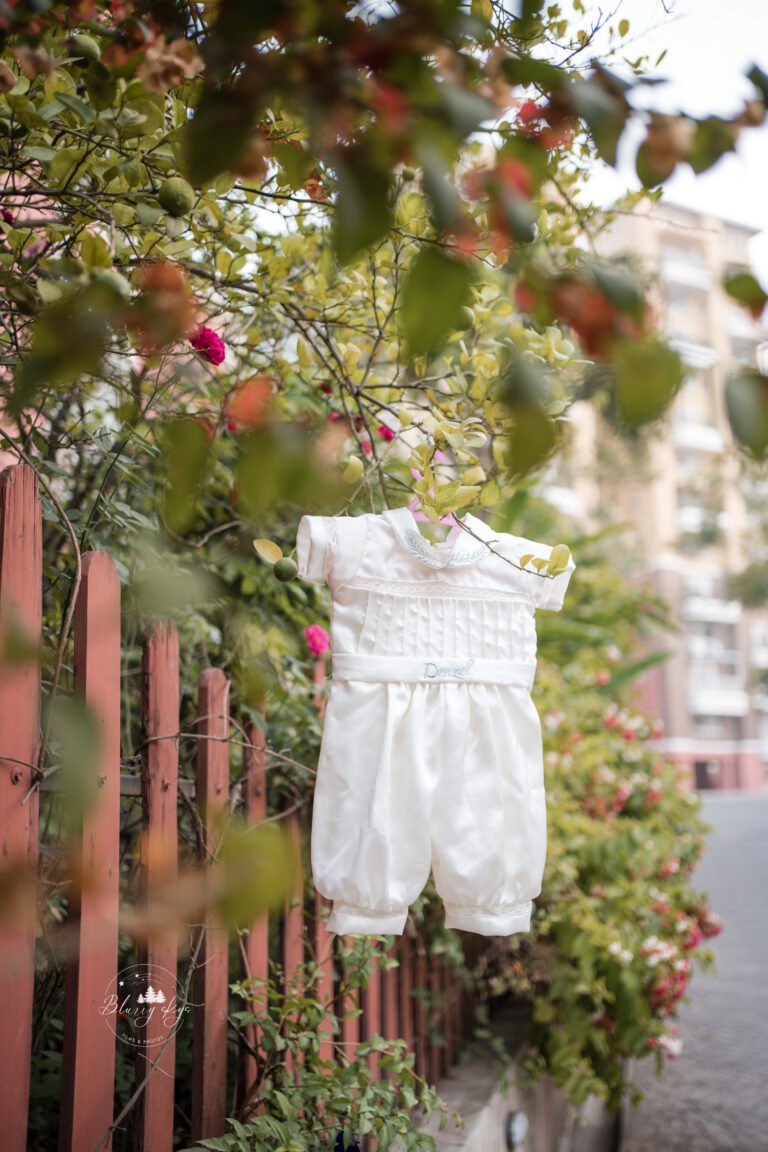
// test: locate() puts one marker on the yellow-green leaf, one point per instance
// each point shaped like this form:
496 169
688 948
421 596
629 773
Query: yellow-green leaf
353 470
268 550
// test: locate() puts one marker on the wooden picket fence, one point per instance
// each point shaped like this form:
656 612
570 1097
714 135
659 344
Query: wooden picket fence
391 1005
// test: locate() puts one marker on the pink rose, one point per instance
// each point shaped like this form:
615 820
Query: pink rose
317 638
210 346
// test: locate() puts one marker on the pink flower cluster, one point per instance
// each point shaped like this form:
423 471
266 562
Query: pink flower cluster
209 344
317 639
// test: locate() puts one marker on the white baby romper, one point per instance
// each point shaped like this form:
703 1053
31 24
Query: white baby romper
431 754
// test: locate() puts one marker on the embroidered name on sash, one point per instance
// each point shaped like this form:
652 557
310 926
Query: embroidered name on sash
447 671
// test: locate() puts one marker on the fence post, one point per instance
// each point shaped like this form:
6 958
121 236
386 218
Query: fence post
88 1058
211 978
20 607
159 870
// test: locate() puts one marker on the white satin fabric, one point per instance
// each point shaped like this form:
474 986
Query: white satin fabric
431 755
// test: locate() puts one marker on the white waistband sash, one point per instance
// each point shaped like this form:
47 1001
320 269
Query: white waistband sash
353 666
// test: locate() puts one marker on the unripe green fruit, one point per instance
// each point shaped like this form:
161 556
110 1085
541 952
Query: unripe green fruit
466 319
409 174
285 569
84 49
176 196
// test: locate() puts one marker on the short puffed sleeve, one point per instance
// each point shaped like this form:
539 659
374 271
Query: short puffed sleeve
329 548
546 591
314 552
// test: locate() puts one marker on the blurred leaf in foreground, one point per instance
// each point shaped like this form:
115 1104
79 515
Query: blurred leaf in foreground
746 402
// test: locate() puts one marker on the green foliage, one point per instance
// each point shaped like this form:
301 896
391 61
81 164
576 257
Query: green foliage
617 929
305 1095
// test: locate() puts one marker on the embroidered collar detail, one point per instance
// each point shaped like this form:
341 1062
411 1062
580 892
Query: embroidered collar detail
466 549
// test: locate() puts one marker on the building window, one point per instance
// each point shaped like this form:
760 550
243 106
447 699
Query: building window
694 403
707 727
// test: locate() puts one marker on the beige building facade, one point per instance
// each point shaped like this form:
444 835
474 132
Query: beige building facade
693 514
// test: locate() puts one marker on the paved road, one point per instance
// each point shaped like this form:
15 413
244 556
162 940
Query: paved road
714 1097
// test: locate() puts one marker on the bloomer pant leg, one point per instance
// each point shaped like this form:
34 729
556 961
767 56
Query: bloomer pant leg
489 814
370 830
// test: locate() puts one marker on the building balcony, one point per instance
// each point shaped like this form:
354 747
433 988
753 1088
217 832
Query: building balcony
691 518
678 271
711 610
726 697
693 352
700 437
759 658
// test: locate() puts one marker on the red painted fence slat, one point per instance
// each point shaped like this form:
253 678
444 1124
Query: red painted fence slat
211 991
404 949
20 607
159 869
419 987
324 989
372 1014
88 1058
293 922
257 943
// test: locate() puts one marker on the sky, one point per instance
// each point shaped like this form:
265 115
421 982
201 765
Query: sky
710 45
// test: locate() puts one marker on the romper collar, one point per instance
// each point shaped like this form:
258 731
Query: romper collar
466 548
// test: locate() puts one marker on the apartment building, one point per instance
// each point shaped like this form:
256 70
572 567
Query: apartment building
695 518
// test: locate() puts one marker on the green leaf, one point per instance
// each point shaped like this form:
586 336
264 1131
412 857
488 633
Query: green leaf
525 70
186 450
627 672
760 81
712 138
216 134
438 185
42 153
647 377
101 85
76 739
465 109
746 402
436 288
743 286
68 340
83 112
623 27
363 213
622 288
605 114
94 251
295 163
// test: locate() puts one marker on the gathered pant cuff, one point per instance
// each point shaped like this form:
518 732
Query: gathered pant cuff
352 920
501 921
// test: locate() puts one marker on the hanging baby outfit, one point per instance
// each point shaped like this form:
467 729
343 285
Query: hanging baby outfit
431 754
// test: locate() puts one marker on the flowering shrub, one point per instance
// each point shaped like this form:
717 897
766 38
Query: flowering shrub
617 928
